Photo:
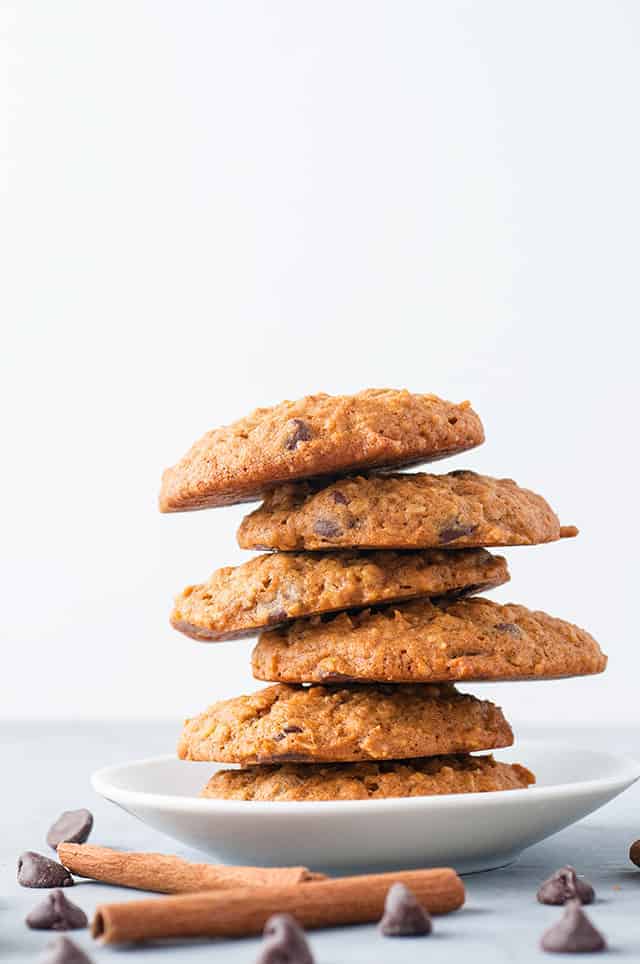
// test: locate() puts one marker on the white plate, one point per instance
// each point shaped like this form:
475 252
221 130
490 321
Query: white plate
473 831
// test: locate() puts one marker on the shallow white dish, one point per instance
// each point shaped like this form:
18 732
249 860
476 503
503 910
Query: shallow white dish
475 831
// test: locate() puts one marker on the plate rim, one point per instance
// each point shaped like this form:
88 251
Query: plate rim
627 766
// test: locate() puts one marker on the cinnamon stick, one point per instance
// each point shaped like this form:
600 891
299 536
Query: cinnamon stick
166 874
242 912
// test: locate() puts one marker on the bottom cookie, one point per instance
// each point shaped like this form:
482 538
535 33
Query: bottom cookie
426 776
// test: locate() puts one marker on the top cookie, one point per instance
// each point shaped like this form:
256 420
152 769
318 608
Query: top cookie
409 511
315 436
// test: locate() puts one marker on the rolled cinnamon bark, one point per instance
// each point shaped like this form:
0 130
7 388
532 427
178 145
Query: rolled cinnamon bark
166 874
242 912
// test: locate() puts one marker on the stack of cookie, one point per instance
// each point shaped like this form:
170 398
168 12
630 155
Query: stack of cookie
365 602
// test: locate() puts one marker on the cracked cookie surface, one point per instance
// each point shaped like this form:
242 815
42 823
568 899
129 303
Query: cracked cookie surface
278 587
316 436
339 724
424 641
401 511
369 781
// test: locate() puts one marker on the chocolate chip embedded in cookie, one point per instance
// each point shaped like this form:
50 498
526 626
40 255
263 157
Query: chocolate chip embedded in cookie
426 642
278 587
326 724
408 511
369 781
315 436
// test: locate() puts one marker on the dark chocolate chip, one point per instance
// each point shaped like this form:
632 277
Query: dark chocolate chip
510 628
331 678
269 758
301 433
462 474
56 913
452 594
61 950
34 870
455 530
573 933
403 915
277 616
287 729
634 853
72 826
339 497
328 528
565 885
284 942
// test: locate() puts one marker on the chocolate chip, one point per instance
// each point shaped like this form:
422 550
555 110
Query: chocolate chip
328 528
61 950
284 942
452 594
278 616
287 729
510 628
56 913
403 915
34 870
565 885
634 853
455 530
301 433
72 826
573 933
339 497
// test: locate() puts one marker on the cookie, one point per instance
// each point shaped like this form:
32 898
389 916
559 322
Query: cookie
421 777
426 642
410 511
319 724
315 436
278 587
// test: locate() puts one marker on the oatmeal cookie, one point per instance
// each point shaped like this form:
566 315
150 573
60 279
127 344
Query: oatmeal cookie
315 436
321 724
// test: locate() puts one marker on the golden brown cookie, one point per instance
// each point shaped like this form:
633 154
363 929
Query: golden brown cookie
278 587
427 642
421 777
407 511
314 436
319 724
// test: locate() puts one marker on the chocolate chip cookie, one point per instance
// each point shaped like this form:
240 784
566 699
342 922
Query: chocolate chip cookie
278 587
401 511
318 724
420 777
428 641
315 436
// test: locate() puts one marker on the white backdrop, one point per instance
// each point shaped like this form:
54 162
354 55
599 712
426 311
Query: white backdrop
216 205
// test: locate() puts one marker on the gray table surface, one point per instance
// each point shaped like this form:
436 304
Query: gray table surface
48 771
